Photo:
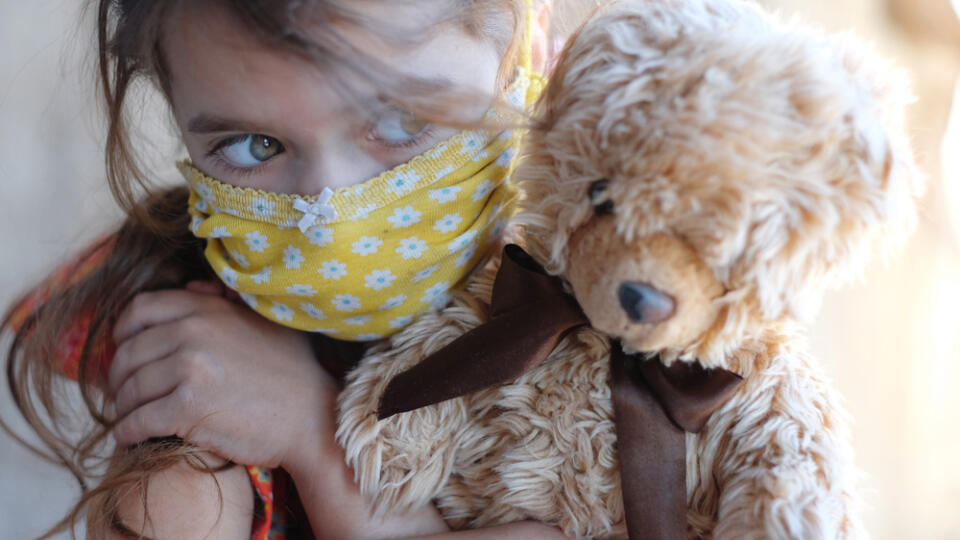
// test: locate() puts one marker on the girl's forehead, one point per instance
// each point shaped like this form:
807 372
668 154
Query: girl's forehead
215 60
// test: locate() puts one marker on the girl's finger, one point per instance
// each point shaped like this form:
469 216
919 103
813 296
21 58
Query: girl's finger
157 418
153 308
152 344
153 381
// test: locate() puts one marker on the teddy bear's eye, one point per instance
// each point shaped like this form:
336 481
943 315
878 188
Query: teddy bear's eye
602 206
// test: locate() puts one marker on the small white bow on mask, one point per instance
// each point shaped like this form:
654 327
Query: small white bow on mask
315 210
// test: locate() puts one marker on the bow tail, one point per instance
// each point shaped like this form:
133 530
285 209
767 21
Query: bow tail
652 453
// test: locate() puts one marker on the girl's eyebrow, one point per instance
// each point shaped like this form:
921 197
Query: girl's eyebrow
205 123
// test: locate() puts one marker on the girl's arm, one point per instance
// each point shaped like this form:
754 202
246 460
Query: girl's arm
193 364
337 510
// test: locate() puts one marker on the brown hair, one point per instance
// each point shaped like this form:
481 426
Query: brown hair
153 248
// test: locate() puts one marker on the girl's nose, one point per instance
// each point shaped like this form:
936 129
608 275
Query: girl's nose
338 165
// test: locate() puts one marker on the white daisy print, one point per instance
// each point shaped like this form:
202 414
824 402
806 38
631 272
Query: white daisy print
367 245
292 258
445 195
220 231
403 182
281 312
444 172
346 302
401 322
200 206
379 279
480 155
498 227
326 331
229 277
359 320
436 295
364 212
195 225
462 241
231 211
333 269
368 337
447 223
473 141
320 236
425 273
205 191
261 207
518 95
263 276
313 311
482 190
257 242
394 302
249 299
301 290
404 217
465 257
506 158
288 224
241 260
437 152
412 248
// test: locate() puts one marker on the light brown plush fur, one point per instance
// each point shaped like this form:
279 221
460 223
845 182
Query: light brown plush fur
749 165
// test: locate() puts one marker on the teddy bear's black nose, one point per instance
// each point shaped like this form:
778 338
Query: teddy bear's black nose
645 304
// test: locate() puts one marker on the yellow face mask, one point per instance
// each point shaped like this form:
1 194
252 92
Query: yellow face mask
361 262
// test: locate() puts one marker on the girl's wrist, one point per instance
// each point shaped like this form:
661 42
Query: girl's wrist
312 446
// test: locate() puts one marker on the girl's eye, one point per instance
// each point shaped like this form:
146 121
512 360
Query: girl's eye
248 150
396 128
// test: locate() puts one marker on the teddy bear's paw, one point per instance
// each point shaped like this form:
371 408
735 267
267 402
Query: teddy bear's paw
778 505
775 461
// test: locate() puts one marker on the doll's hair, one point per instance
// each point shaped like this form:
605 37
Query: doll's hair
153 248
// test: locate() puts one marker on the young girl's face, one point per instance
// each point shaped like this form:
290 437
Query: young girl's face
255 117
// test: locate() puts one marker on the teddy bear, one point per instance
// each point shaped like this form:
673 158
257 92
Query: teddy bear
697 174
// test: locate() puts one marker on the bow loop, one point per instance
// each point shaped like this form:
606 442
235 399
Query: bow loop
530 314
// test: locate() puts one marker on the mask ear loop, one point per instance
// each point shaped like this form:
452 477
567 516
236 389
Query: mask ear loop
525 56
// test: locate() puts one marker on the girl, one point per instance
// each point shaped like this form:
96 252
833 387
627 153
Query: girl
286 108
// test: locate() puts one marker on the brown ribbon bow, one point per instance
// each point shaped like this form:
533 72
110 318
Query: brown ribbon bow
653 404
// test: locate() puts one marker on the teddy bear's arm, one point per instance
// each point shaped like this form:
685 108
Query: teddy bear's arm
783 464
403 461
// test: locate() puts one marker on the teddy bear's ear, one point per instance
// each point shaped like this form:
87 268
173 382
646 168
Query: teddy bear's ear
847 183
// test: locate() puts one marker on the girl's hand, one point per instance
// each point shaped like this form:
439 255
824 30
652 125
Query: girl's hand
194 364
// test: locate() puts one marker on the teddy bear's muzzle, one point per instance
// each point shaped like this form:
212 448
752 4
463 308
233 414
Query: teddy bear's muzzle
644 303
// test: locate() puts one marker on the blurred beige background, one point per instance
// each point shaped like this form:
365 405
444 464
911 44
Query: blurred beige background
892 343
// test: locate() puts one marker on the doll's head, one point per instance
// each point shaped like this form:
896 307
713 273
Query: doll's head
702 171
